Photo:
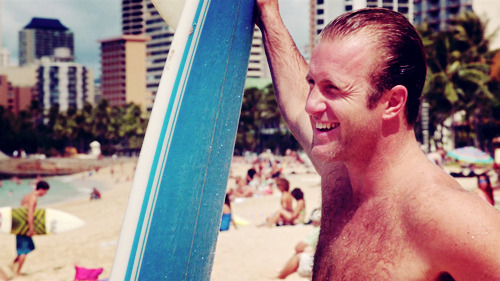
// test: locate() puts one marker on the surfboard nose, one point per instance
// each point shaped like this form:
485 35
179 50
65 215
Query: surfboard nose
170 11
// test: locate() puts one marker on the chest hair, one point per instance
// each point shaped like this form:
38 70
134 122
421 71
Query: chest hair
358 241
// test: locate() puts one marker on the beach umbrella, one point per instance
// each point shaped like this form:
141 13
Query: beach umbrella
470 154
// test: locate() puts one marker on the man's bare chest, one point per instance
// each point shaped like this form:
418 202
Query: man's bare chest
370 245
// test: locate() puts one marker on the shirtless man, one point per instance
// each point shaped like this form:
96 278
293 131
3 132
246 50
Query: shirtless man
388 212
24 243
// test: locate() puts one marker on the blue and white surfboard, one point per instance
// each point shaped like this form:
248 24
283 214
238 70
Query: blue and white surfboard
172 219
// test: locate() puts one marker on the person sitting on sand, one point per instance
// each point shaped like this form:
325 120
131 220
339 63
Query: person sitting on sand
245 187
276 169
302 261
285 217
227 217
95 194
286 197
467 172
484 189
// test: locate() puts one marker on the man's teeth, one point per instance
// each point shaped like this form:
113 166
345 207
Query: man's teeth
326 126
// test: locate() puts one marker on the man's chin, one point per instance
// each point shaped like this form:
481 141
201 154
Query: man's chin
324 153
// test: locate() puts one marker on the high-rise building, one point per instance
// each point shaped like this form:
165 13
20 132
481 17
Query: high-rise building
437 13
133 14
123 66
4 58
141 17
4 52
15 98
257 64
68 84
323 11
41 37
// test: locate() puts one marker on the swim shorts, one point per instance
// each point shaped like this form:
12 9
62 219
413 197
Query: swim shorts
24 244
306 261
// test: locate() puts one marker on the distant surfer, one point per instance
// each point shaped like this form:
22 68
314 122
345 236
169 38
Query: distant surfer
24 243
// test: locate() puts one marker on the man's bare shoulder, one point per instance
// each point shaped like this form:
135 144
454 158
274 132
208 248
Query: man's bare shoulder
29 199
455 229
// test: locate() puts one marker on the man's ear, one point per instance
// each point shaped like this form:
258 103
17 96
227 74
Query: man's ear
395 102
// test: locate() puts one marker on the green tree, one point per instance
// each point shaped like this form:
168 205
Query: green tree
7 136
51 132
261 125
458 75
134 126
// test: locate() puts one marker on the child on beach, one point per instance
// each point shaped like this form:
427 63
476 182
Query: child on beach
227 218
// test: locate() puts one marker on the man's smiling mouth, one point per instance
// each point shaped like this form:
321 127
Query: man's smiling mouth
326 126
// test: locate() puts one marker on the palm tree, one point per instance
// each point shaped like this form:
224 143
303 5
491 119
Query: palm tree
261 125
101 117
133 127
458 75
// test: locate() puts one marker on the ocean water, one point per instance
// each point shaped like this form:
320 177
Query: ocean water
62 188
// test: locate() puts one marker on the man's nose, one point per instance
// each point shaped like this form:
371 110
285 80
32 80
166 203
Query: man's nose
315 103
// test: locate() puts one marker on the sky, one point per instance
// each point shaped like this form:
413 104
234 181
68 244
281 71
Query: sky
92 20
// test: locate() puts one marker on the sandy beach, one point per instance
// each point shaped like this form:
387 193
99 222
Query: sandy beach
246 253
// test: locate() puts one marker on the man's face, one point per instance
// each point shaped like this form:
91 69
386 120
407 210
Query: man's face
343 126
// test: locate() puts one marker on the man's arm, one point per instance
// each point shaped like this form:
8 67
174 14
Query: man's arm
288 70
31 215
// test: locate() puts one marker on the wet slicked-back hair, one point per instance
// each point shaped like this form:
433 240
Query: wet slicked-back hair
398 47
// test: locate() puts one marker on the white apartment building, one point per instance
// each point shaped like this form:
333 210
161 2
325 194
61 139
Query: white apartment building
257 64
437 13
68 84
323 11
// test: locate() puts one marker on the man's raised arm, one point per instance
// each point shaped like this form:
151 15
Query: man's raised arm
288 69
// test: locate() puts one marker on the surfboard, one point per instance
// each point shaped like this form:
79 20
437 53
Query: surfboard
174 212
46 221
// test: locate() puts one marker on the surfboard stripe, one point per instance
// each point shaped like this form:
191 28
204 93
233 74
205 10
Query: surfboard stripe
161 154
148 161
20 221
180 207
